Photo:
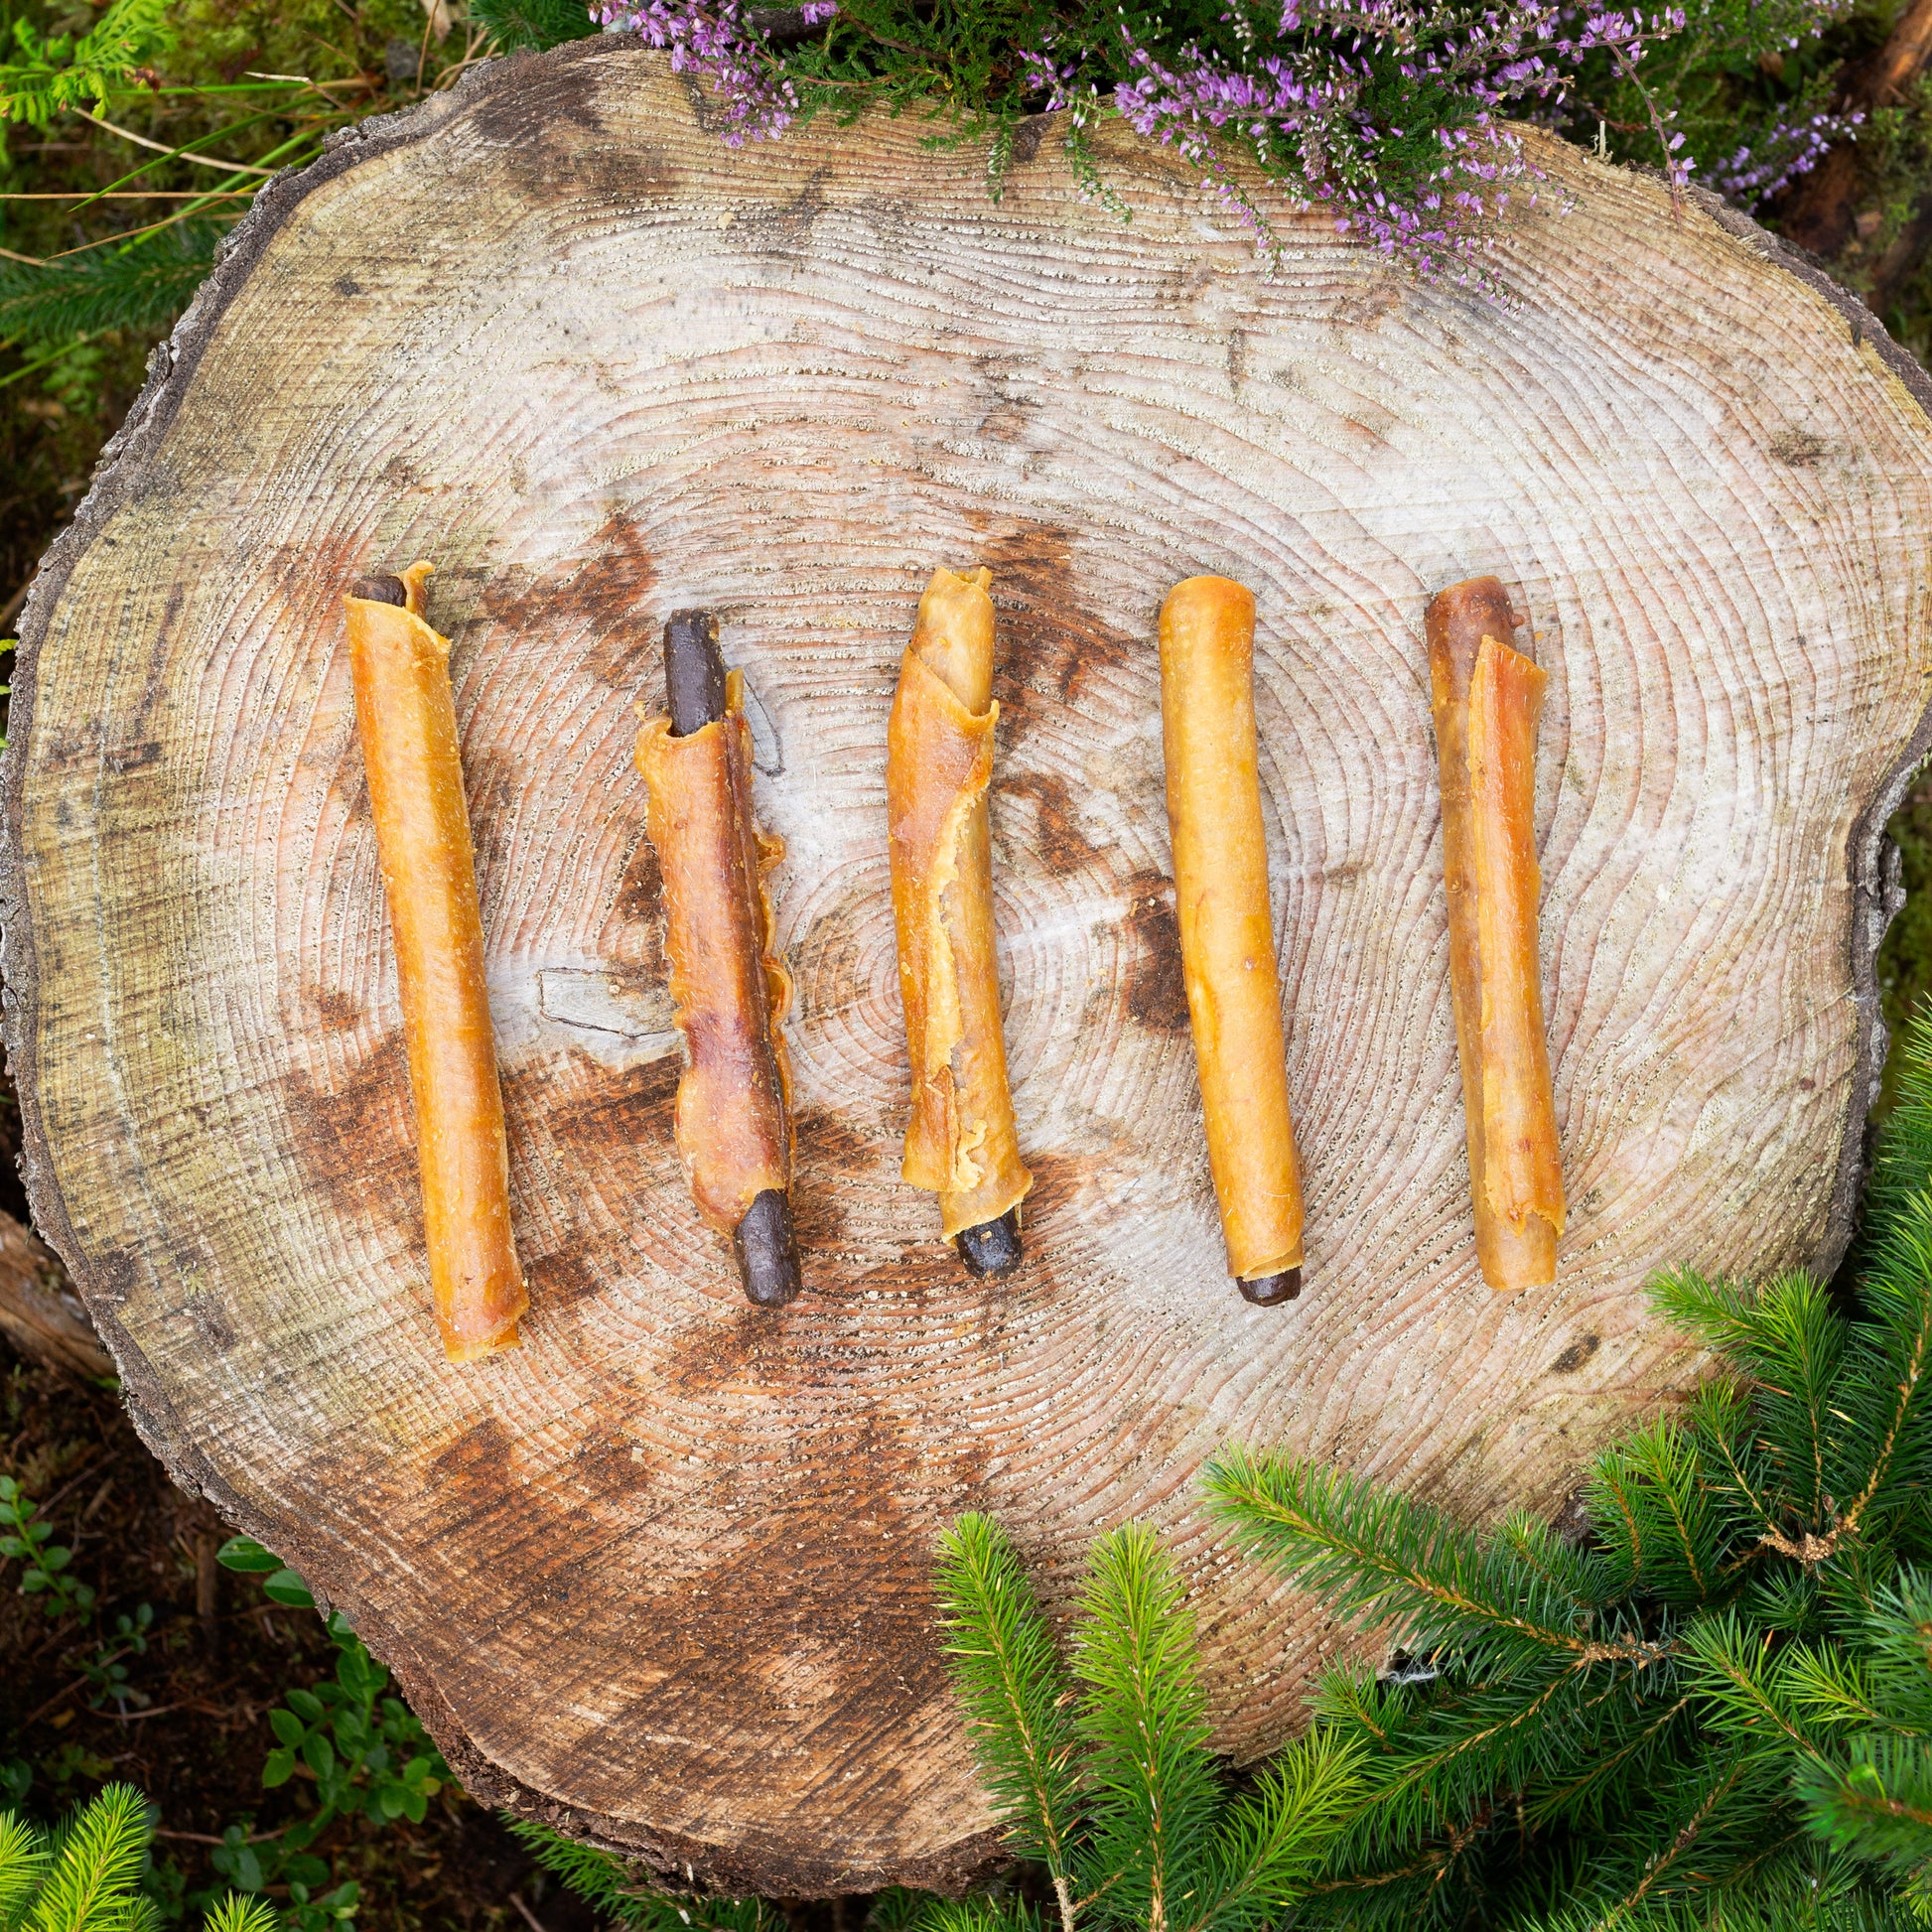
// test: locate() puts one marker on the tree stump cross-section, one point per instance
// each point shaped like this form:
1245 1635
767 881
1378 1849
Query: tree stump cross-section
663 1575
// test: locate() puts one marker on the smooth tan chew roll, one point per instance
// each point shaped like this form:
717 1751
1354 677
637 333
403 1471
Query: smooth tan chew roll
960 1143
1489 700
1227 936
407 720
730 991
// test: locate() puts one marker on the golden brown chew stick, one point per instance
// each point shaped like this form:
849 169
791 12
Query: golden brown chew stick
960 1143
1227 936
1488 700
730 991
406 720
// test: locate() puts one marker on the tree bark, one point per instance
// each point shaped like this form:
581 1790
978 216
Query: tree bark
663 1573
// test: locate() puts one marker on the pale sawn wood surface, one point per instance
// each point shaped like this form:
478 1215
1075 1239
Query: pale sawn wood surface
663 1574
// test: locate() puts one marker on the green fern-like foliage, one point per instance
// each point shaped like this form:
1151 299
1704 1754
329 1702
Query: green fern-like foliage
82 1875
514 23
1716 1708
141 287
1100 1764
59 72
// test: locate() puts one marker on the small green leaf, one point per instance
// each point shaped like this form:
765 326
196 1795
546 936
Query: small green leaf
243 1553
287 1726
305 1704
278 1769
318 1754
285 1586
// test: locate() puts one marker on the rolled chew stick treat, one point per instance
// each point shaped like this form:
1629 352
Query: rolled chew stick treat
960 1143
1488 699
731 993
1227 935
406 720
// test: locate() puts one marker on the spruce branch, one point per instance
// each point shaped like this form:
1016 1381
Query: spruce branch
1876 1805
1750 1683
1008 1674
235 1913
142 287
1655 1515
93 1866
1376 1555
1151 1784
1790 1342
513 24
978 1913
24 1859
1271 1842
612 1888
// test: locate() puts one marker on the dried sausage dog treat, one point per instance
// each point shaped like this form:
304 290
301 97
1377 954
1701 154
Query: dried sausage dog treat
406 720
1227 936
1488 699
960 1143
731 993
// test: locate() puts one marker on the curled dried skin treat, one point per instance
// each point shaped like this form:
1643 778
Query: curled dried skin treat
960 1142
405 720
1489 701
1227 935
730 991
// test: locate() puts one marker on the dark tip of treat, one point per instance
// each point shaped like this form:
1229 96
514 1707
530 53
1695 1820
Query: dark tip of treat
381 590
1271 1291
694 672
992 1247
767 1250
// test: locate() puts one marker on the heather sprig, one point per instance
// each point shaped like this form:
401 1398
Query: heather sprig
1395 116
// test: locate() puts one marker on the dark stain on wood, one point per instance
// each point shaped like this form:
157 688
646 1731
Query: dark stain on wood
606 593
1058 837
812 1629
829 1153
1156 995
640 889
491 785
631 1107
1049 644
1576 1356
1026 138
781 228
358 1140
210 1321
541 99
558 1279
1798 449
335 1011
